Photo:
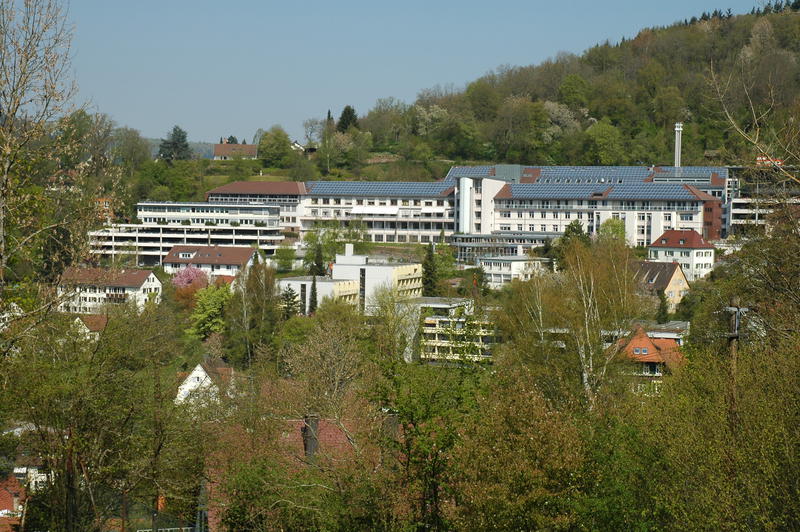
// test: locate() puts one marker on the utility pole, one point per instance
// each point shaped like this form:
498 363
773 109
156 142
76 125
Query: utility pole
736 311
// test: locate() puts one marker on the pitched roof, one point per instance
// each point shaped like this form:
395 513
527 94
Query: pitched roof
232 150
125 278
654 276
220 373
225 255
602 190
642 348
713 175
94 322
677 238
265 188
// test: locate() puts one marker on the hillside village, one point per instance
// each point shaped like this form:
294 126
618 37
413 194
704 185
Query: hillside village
494 309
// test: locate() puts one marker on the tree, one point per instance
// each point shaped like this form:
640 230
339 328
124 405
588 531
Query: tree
275 148
252 313
312 296
662 316
573 233
233 140
37 193
318 266
285 257
574 91
347 119
430 279
605 144
290 303
130 149
613 229
209 311
175 147
188 276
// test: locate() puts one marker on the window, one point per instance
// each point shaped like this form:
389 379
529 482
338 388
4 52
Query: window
644 350
636 350
543 228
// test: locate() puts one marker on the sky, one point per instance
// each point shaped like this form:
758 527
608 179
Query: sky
229 68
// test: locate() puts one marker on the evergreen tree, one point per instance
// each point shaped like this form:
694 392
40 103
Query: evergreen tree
175 147
233 140
290 304
347 119
312 296
662 316
430 280
318 266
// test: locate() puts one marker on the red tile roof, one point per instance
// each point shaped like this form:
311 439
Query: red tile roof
271 188
699 194
130 278
225 255
687 239
94 322
233 150
642 348
8 488
503 193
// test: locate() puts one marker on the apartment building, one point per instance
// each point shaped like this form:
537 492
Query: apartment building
286 195
373 275
163 225
686 247
449 330
88 290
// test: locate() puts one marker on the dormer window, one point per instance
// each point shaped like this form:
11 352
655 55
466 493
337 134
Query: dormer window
644 350
635 350
186 254
682 241
663 240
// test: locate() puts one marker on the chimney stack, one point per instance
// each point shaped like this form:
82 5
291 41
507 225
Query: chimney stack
678 131
310 433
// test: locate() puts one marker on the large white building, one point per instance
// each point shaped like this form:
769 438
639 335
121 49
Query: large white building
346 290
88 290
163 225
484 210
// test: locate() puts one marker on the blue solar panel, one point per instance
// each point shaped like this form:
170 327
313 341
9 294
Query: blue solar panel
377 188
638 191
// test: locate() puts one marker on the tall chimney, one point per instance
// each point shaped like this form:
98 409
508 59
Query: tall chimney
310 432
678 131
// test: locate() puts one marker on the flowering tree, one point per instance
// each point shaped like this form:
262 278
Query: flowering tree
189 276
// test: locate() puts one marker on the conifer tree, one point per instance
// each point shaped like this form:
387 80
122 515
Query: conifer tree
347 119
290 304
175 147
318 266
312 297
429 275
662 316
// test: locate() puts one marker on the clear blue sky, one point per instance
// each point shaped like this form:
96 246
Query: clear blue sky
221 68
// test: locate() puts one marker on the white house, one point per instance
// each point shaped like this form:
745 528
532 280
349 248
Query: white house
213 260
693 252
87 290
207 379
502 270
91 325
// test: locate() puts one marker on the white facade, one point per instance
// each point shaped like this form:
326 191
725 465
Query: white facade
166 224
500 271
204 381
696 263
90 297
212 260
404 279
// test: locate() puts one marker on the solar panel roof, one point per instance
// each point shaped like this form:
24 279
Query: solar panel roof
640 191
592 174
377 188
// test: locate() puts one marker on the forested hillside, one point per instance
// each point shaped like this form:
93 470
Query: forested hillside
615 103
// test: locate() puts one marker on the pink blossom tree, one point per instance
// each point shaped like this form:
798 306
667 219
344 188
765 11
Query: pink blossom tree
189 276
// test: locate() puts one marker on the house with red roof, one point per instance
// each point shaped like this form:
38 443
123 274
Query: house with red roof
652 357
208 380
215 261
688 248
88 290
229 150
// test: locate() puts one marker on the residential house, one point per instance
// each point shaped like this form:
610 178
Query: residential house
666 277
688 248
12 500
208 380
651 358
213 260
91 325
88 290
228 150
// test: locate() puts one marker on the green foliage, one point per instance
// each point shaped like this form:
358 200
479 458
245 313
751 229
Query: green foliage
312 296
347 119
289 303
284 257
612 229
209 310
251 313
662 316
275 148
175 147
430 278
